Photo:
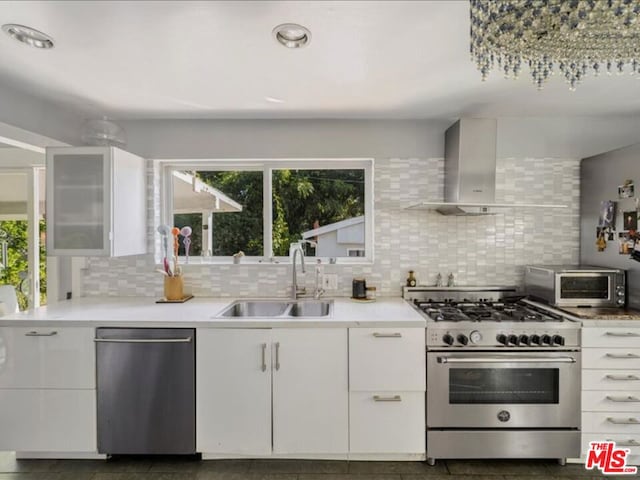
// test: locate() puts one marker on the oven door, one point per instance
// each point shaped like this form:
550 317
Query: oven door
503 390
584 289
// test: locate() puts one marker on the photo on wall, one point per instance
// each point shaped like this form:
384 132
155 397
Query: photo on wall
626 190
630 220
607 214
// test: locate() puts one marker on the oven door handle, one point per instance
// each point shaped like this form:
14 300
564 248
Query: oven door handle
506 360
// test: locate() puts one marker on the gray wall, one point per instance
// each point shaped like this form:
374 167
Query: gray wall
600 177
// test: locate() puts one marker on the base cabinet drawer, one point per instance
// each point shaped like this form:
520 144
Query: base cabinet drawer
47 357
606 358
48 420
622 441
387 422
610 337
611 380
626 423
387 359
610 401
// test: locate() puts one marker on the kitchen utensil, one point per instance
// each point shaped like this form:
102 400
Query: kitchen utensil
164 232
186 233
162 272
175 231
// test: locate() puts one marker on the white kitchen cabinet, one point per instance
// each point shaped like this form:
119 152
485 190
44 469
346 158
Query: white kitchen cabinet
387 359
233 382
387 383
96 202
310 391
291 401
611 387
387 422
47 357
47 389
44 420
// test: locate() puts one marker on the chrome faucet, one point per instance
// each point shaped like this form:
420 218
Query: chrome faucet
295 290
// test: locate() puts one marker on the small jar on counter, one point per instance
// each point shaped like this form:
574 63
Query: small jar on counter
371 293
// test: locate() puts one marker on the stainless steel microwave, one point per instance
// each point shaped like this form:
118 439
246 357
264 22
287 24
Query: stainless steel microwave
576 286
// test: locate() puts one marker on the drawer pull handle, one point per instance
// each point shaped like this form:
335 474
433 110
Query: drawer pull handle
387 335
622 334
393 398
629 443
622 355
264 357
623 399
623 421
622 378
38 334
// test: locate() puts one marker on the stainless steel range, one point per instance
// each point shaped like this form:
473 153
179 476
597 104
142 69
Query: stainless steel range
503 375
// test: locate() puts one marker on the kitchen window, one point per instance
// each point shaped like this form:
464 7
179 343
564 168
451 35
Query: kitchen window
260 207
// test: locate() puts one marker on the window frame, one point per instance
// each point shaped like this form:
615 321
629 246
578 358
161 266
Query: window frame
267 166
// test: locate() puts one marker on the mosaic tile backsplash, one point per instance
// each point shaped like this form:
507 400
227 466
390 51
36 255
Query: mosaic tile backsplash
478 250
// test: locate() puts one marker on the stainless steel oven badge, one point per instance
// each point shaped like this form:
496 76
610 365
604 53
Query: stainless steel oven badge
504 416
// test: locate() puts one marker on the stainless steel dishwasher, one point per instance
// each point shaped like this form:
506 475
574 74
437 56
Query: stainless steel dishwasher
146 390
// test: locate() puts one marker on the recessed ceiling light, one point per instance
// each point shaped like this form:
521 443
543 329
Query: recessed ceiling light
292 35
273 100
28 35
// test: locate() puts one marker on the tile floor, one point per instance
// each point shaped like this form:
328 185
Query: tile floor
172 468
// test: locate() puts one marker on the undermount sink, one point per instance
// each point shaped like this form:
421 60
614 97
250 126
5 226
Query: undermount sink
273 309
310 309
255 309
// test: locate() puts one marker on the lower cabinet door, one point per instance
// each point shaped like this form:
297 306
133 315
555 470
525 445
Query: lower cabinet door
310 391
387 422
233 391
33 420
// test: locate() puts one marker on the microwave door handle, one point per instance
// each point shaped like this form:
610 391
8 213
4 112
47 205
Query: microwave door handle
506 360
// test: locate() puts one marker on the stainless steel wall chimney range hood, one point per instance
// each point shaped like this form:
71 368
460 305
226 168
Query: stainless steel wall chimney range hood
470 171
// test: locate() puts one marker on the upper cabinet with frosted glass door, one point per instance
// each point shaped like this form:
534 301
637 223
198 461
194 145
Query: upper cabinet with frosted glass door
96 202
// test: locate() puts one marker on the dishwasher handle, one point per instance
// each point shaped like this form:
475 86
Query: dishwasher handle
143 340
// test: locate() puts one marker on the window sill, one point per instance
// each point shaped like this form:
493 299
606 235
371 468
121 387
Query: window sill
258 261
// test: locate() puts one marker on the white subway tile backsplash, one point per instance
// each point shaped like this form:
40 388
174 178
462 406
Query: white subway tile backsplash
480 250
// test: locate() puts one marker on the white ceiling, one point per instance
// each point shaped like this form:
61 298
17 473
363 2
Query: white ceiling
367 59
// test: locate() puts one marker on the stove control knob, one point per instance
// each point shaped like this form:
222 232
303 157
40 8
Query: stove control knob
475 336
534 340
545 340
523 340
512 340
501 339
557 340
448 339
463 339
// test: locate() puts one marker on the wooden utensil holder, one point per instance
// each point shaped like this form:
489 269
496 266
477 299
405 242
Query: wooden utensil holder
174 288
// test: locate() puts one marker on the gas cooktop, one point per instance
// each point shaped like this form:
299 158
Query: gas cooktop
490 318
485 311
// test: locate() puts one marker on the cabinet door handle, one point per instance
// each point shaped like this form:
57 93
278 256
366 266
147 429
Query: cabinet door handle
622 334
622 355
623 399
629 443
622 378
392 398
623 421
39 334
264 357
387 335
277 355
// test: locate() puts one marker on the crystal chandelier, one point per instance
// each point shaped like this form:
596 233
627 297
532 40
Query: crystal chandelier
572 36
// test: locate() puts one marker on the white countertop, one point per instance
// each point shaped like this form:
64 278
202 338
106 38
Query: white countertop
201 312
